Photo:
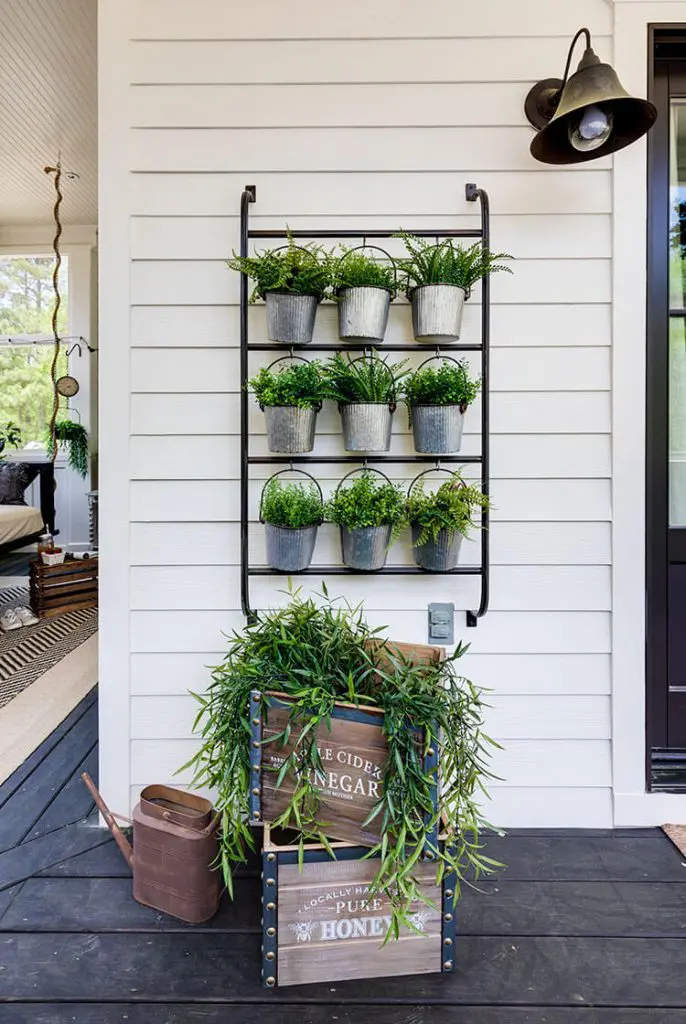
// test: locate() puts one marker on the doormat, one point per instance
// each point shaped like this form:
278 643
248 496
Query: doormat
677 833
26 653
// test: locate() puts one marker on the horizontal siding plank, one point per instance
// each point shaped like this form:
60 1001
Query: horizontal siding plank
573 674
552 763
168 632
536 326
205 19
216 501
538 412
519 455
586 236
557 807
343 105
255 61
396 196
208 282
212 587
215 371
508 720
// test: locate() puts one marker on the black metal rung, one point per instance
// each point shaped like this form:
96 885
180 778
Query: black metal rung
265 460
359 346
368 233
389 570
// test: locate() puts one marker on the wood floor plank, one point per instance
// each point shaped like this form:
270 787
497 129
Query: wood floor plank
73 803
23 809
25 861
287 1013
103 861
225 968
17 778
7 897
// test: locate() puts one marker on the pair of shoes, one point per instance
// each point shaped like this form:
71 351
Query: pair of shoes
16 618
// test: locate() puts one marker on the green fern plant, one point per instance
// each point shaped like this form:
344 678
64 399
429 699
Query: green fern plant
75 437
294 505
296 269
448 383
298 385
447 262
453 506
366 379
355 269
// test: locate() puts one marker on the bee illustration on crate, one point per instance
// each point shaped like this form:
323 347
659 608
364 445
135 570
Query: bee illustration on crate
302 930
419 919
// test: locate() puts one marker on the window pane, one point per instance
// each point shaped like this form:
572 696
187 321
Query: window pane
677 422
677 204
26 303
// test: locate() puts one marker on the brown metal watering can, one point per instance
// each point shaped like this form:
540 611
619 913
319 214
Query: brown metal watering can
174 847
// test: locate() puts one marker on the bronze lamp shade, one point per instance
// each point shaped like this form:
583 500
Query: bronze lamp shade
586 115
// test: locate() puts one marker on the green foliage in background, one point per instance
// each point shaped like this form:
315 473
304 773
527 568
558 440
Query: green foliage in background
74 437
300 270
447 383
26 300
10 437
368 500
317 653
354 269
447 262
294 384
452 506
366 379
291 504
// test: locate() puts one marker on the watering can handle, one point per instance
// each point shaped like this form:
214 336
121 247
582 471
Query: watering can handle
119 837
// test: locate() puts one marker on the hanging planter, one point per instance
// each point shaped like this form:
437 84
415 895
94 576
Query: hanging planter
75 437
440 520
369 515
292 279
290 398
365 389
437 400
364 288
291 513
438 280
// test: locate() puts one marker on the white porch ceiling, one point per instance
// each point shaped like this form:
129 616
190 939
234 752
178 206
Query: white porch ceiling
48 106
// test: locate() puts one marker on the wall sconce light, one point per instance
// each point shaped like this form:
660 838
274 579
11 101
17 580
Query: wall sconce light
587 115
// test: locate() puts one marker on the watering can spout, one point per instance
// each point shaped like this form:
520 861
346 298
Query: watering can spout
119 837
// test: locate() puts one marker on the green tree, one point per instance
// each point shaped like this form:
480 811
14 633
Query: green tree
26 305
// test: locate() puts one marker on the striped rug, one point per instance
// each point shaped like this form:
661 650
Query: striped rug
25 654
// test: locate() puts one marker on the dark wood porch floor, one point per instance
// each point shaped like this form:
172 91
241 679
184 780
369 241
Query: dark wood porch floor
582 927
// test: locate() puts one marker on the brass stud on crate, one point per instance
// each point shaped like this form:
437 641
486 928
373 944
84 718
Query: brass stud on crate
447 965
447 917
270 956
256 768
449 894
447 942
271 982
271 906
256 745
270 881
256 791
255 721
271 856
256 697
430 752
271 932
256 815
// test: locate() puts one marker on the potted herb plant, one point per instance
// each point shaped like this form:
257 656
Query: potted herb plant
290 398
10 436
364 288
292 280
317 653
437 399
440 519
366 391
75 437
291 513
369 512
438 279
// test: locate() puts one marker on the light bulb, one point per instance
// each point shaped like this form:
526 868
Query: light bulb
591 129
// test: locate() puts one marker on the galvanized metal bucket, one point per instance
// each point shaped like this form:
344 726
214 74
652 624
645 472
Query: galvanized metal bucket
365 547
363 313
290 550
440 555
437 429
290 318
366 425
437 312
290 429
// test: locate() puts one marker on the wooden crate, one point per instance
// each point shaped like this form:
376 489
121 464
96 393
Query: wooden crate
353 754
321 925
70 587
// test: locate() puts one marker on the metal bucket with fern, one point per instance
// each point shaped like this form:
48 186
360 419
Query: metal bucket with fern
364 288
365 389
292 514
369 513
439 520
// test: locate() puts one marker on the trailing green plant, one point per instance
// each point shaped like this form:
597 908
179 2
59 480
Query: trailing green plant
368 500
294 505
10 436
317 653
452 506
355 269
75 437
296 384
447 262
447 384
297 269
368 378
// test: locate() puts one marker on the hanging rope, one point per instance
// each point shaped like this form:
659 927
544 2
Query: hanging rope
57 171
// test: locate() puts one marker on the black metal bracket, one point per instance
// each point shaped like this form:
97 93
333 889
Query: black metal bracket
473 194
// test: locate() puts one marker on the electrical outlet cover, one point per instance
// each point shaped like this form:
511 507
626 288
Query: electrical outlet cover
441 623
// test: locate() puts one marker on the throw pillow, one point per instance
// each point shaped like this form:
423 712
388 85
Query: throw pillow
15 477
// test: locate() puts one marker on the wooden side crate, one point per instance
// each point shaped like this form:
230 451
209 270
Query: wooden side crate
70 587
320 924
353 755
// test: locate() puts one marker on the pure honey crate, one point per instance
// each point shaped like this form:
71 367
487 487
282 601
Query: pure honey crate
320 924
56 589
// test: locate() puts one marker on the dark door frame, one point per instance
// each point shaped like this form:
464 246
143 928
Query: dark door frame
666 765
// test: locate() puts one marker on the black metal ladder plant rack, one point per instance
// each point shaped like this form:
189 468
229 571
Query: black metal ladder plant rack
472 195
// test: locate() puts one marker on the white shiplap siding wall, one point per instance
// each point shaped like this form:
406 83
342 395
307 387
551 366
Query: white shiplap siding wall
375 116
